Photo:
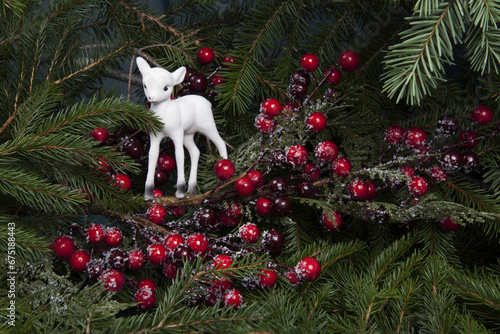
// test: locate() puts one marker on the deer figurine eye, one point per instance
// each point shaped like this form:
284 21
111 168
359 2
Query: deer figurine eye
165 88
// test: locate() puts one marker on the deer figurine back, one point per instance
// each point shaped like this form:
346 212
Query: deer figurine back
182 118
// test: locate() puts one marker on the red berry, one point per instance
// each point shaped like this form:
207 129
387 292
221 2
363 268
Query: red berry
79 260
264 123
232 215
244 186
268 278
316 122
341 167
349 60
95 234
273 239
206 218
156 213
282 206
117 258
408 171
136 259
297 155
278 186
224 169
393 135
270 108
228 60
173 240
157 193
63 246
182 253
263 206
468 139
122 181
157 254
170 270
146 283
418 186
308 269
311 172
451 160
289 109
256 177
447 125
470 161
114 236
334 77
448 224
309 62
177 211
249 233
222 261
198 243
415 137
146 298
482 115
217 80
166 163
232 298
99 134
332 220
113 280
160 178
292 277
358 189
372 190
95 268
326 152
304 189
205 55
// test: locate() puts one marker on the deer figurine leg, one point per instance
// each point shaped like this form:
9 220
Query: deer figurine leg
194 156
218 141
179 160
154 151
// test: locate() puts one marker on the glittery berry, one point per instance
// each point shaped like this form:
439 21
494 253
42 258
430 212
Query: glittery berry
447 125
114 236
249 233
157 254
264 123
418 186
117 258
113 280
393 135
437 173
341 167
297 155
308 269
326 152
95 234
173 240
232 298
145 298
198 243
136 259
415 137
156 213
451 160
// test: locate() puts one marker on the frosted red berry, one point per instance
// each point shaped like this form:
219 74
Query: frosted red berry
95 268
232 298
270 108
263 206
482 115
448 224
304 189
205 55
63 246
349 61
217 80
393 135
249 233
264 123
333 76
415 137
182 253
372 190
308 269
273 239
198 243
222 261
468 139
244 186
309 62
136 259
292 277
224 169
332 220
418 186
256 177
437 173
177 211
311 172
79 260
157 193
297 155
227 60
99 134
232 215
316 122
267 278
146 283
117 258
166 163
326 152
341 167
145 298
447 125
173 240
206 218
451 160
113 280
114 236
170 270
358 189
408 171
157 254
470 161
156 213
95 234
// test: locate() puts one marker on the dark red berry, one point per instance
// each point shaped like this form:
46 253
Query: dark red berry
278 186
451 160
232 215
79 260
468 139
270 108
482 115
217 80
316 122
326 152
393 135
349 61
99 134
267 278
308 269
341 167
114 236
227 60
170 270
263 206
122 181
448 224
304 189
156 213
309 62
278 160
292 277
182 253
173 240
198 243
224 169
157 254
136 259
418 186
372 190
282 206
63 246
95 268
273 240
160 178
117 258
448 125
205 55
198 82
206 218
177 211
300 77
437 173
249 233
95 234
331 220
135 149
415 137
333 76
166 163
232 298
297 91
408 171
358 189
289 109
470 161
311 172
113 280
332 95
244 186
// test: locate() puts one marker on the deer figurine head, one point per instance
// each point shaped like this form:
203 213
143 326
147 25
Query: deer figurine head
182 118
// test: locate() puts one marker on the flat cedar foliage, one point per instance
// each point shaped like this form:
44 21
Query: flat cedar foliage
68 67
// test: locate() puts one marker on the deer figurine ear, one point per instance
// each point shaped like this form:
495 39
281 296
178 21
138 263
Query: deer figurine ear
178 75
143 65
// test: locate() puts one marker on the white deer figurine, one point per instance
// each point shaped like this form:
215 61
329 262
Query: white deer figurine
182 118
